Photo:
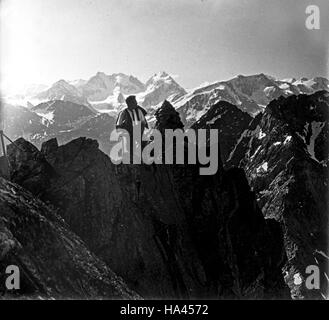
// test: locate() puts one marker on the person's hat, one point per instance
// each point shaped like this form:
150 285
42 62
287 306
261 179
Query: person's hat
130 99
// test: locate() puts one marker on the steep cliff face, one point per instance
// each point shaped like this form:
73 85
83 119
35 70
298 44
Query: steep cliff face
285 155
53 262
230 122
168 231
241 252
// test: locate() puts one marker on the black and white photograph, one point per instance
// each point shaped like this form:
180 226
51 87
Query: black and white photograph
164 150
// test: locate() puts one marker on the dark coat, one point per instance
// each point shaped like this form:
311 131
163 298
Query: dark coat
126 117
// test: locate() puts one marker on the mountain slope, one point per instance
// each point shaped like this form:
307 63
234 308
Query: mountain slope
169 232
98 127
62 90
285 155
61 113
21 122
249 93
59 119
230 123
53 262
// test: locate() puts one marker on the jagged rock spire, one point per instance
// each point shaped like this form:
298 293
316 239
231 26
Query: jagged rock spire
167 118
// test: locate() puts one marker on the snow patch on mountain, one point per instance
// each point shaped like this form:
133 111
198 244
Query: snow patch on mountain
316 128
287 140
49 116
261 134
250 93
262 168
102 87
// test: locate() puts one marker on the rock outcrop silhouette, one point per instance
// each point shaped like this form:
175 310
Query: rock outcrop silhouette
166 230
167 118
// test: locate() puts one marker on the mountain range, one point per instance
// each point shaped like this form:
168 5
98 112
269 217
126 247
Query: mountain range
249 93
247 232
70 109
107 93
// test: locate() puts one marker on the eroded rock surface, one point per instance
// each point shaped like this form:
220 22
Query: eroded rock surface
166 230
53 262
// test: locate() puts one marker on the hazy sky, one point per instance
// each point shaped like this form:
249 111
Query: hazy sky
43 41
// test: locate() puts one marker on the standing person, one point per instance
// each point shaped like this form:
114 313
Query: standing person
133 120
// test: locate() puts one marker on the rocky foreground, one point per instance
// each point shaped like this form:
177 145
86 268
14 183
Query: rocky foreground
53 261
168 232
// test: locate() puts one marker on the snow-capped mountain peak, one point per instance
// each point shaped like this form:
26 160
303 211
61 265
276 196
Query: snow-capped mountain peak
249 93
159 77
78 82
160 87
63 84
58 90
101 86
